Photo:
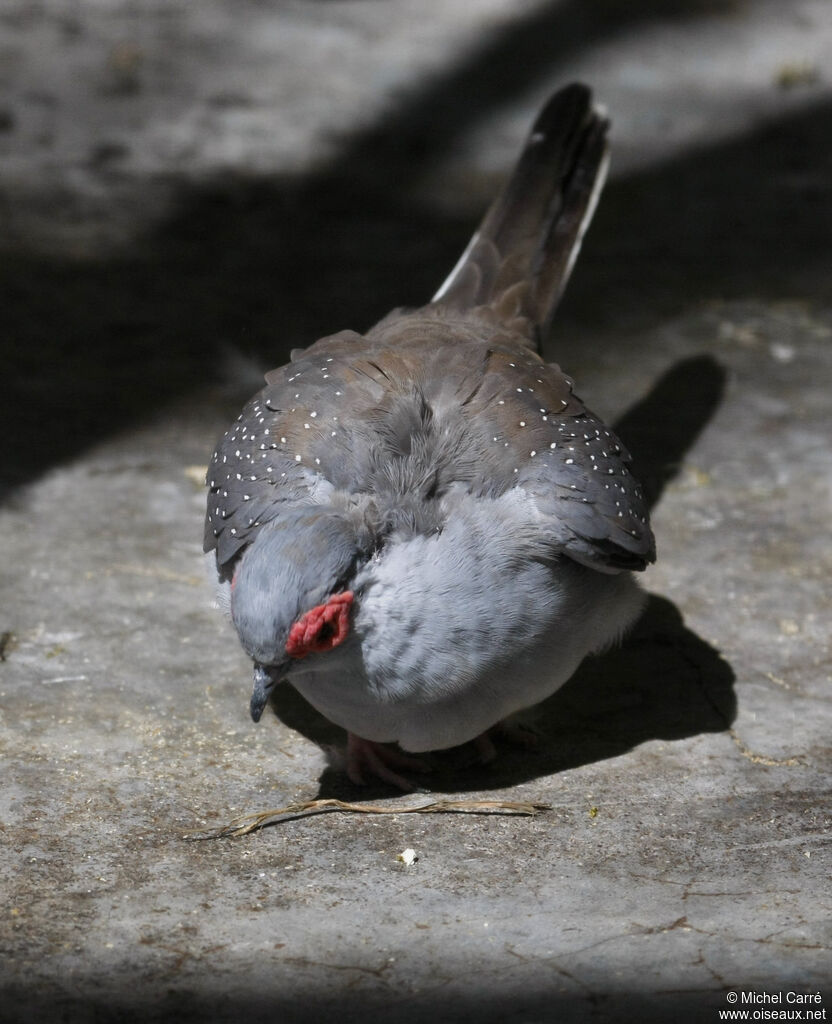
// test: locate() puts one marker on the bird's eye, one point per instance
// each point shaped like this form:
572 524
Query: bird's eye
326 633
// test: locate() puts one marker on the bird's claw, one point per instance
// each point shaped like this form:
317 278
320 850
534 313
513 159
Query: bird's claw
367 759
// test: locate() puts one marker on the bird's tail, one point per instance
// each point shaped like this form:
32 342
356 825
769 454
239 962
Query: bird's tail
520 258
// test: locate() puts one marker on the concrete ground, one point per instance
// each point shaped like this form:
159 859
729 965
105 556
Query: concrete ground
189 191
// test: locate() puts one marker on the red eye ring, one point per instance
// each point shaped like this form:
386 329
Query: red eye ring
321 628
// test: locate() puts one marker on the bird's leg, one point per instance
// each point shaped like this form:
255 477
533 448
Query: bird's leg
518 733
484 746
367 759
511 729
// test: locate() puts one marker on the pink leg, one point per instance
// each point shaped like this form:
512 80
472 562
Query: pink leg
367 759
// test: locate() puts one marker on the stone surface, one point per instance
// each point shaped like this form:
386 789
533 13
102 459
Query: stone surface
192 190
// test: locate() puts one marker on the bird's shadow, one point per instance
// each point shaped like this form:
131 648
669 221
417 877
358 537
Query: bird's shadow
664 682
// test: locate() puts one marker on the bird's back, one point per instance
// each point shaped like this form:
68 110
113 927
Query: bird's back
428 400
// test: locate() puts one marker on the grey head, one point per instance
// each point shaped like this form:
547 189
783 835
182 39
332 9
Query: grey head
290 591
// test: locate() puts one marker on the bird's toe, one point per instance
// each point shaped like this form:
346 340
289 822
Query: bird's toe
367 760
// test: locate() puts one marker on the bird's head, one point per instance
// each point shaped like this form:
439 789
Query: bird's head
290 594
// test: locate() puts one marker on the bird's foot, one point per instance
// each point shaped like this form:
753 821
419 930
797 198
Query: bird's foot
367 759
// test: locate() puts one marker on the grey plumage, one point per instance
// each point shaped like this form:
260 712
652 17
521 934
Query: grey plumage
439 469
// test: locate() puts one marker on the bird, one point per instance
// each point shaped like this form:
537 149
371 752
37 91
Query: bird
422 528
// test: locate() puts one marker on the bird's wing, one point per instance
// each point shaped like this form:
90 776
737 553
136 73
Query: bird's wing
536 435
292 442
500 418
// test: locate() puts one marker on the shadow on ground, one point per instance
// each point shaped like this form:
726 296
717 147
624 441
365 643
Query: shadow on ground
660 428
538 1002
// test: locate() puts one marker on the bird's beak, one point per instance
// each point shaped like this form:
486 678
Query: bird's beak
265 681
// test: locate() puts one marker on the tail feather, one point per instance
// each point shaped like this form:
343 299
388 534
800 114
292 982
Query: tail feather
520 258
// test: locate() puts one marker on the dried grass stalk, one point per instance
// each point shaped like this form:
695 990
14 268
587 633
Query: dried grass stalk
247 823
